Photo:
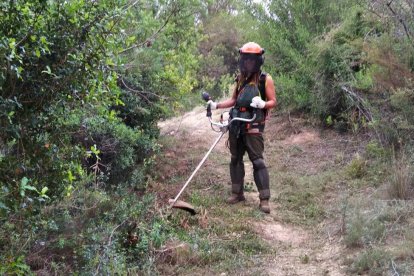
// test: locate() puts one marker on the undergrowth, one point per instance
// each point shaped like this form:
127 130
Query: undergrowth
378 212
217 239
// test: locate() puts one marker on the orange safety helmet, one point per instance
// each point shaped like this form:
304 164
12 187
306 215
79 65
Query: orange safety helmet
251 52
251 48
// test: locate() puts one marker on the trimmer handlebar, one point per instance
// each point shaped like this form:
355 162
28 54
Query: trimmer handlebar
224 124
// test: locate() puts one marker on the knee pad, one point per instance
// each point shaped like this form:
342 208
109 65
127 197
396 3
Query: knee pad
258 164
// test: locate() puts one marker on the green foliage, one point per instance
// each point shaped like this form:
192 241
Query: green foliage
364 79
375 150
57 48
362 231
340 59
118 148
15 266
372 261
76 118
354 231
218 47
162 62
401 102
357 168
291 91
290 33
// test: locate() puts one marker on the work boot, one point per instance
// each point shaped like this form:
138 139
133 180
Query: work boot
264 206
235 198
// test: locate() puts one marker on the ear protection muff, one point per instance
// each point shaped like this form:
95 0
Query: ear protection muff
261 59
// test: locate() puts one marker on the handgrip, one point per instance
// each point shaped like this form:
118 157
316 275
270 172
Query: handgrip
206 97
209 111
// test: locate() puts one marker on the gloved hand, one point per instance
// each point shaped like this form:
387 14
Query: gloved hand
257 102
213 105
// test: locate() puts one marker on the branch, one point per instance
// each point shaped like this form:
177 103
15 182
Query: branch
140 93
153 36
371 9
359 103
113 231
407 32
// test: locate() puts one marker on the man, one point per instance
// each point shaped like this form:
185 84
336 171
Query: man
254 93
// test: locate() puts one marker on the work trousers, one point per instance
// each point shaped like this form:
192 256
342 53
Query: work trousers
254 145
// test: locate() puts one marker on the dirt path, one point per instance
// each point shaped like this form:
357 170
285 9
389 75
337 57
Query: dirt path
294 148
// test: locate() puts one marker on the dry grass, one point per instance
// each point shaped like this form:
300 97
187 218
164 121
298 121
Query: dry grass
401 183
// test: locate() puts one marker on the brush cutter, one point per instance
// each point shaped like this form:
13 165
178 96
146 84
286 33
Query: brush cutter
222 127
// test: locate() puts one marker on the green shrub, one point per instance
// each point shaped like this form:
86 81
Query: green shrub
375 150
120 146
357 168
342 72
15 266
292 91
55 57
402 101
363 80
354 231
63 135
371 261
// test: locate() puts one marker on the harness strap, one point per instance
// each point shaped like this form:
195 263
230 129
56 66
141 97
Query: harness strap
255 128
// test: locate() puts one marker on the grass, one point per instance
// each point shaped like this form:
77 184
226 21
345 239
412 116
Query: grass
372 261
381 232
402 180
362 231
301 197
219 238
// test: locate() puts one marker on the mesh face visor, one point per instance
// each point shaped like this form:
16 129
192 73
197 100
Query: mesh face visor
250 63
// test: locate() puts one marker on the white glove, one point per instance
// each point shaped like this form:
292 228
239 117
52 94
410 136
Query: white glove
213 105
257 102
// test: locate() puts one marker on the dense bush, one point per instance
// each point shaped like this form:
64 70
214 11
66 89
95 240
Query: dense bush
65 128
56 63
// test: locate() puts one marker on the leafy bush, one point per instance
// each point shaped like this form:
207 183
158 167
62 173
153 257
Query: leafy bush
292 92
120 147
62 130
357 168
54 53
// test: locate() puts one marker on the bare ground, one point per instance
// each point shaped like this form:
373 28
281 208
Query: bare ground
293 147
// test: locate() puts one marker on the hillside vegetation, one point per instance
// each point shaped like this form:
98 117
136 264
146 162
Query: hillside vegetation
83 167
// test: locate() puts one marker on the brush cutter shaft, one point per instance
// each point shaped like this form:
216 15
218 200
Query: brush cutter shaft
198 167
